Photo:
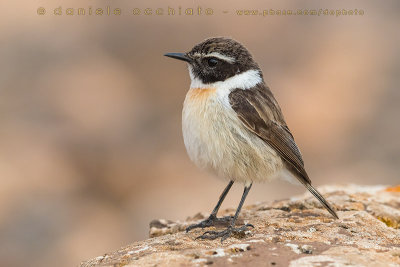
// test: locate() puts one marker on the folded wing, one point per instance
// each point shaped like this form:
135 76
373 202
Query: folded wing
260 113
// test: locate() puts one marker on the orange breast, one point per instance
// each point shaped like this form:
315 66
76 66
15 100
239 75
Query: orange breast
200 94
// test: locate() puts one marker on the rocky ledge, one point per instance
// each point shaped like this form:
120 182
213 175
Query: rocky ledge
291 232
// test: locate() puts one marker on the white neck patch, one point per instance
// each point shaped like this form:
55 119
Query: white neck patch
244 80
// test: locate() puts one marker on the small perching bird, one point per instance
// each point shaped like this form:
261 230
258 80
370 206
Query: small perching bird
234 127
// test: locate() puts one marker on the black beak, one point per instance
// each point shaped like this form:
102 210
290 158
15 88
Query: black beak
180 56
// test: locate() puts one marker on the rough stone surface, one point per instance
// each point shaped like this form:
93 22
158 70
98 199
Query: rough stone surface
292 232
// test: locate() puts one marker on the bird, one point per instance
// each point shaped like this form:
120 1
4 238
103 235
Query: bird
233 127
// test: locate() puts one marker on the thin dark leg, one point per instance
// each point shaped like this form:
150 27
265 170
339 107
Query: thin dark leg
221 198
239 208
213 216
231 228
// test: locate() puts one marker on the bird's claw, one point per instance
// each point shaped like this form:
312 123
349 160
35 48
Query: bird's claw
212 235
210 221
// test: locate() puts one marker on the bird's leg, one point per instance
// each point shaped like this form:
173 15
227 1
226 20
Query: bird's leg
212 219
231 228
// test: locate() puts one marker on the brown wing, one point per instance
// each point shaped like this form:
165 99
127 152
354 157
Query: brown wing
260 113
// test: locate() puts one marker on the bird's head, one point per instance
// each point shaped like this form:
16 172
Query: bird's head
217 59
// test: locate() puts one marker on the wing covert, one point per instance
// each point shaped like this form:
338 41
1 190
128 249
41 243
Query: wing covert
260 113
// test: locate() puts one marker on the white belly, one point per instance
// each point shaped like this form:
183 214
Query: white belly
216 140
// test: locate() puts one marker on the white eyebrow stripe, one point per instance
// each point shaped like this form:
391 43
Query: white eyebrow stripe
222 57
217 55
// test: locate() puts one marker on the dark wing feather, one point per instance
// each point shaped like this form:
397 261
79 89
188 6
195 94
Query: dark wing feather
260 113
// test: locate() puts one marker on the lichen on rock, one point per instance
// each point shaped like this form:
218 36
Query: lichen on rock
291 232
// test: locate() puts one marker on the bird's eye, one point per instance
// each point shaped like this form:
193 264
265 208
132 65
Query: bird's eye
212 62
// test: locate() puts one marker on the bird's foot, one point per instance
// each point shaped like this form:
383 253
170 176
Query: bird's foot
210 221
211 235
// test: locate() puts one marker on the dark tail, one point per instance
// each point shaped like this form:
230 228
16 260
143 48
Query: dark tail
321 199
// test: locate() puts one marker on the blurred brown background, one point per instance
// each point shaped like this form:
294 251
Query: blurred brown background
90 140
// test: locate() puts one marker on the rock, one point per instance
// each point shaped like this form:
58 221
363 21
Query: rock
292 232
